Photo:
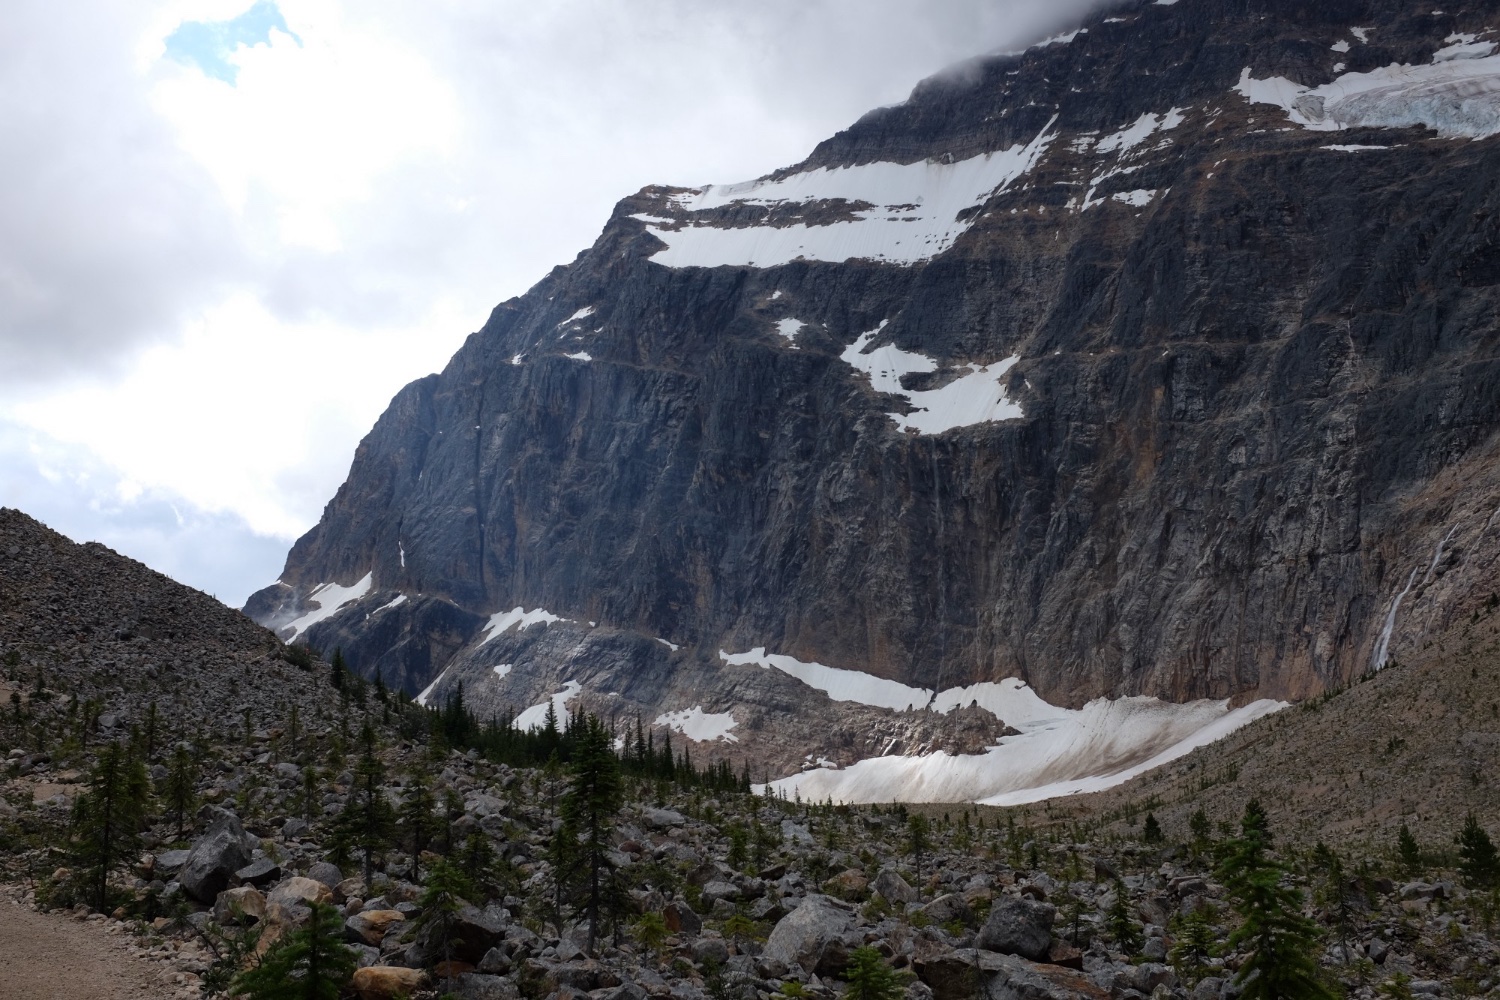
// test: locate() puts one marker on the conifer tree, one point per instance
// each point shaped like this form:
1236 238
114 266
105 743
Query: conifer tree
1122 927
107 819
417 822
367 820
310 780
1201 830
444 896
1194 946
488 873
917 844
311 963
1151 831
1408 853
869 977
594 796
1479 862
181 785
1282 943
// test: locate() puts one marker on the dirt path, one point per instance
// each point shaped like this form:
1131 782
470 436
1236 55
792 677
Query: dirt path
54 956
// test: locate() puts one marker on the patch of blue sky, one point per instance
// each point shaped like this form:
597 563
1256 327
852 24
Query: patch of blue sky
209 45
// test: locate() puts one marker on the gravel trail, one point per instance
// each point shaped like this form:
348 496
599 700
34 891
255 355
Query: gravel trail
54 956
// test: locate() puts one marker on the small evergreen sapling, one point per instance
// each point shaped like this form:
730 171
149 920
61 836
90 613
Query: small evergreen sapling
1408 853
918 842
869 977
1479 862
1124 929
308 964
1196 943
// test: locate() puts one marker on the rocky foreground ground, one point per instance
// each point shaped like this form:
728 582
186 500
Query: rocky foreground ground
992 910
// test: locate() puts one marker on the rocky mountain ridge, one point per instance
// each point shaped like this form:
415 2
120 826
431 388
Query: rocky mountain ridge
1121 370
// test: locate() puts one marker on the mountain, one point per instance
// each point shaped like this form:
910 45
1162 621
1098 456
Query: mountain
1094 401
83 627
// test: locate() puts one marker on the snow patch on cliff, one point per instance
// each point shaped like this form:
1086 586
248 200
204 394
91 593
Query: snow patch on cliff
583 313
975 397
789 328
400 600
700 726
330 599
840 685
1140 130
1457 94
911 211
535 716
519 618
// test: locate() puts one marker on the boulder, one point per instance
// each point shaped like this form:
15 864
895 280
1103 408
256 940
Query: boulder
370 926
710 951
299 891
1150 975
963 974
893 889
584 975
812 936
213 860
849 884
325 872
169 863
259 873
948 908
663 818
1208 989
680 918
472 934
477 986
718 889
1014 978
387 982
242 903
1019 927
795 833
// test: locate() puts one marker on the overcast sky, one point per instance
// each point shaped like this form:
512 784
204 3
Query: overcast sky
229 232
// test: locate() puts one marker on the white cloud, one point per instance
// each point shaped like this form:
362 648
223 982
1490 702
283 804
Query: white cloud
208 291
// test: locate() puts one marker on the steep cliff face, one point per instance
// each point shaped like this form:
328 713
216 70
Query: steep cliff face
1153 361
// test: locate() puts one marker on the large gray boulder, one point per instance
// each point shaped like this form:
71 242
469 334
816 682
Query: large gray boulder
812 936
1019 927
473 933
893 888
964 974
477 986
213 860
948 908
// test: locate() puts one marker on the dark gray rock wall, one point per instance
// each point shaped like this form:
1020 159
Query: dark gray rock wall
1236 399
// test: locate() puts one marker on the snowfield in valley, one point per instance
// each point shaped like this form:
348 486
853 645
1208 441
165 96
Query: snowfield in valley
1057 751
